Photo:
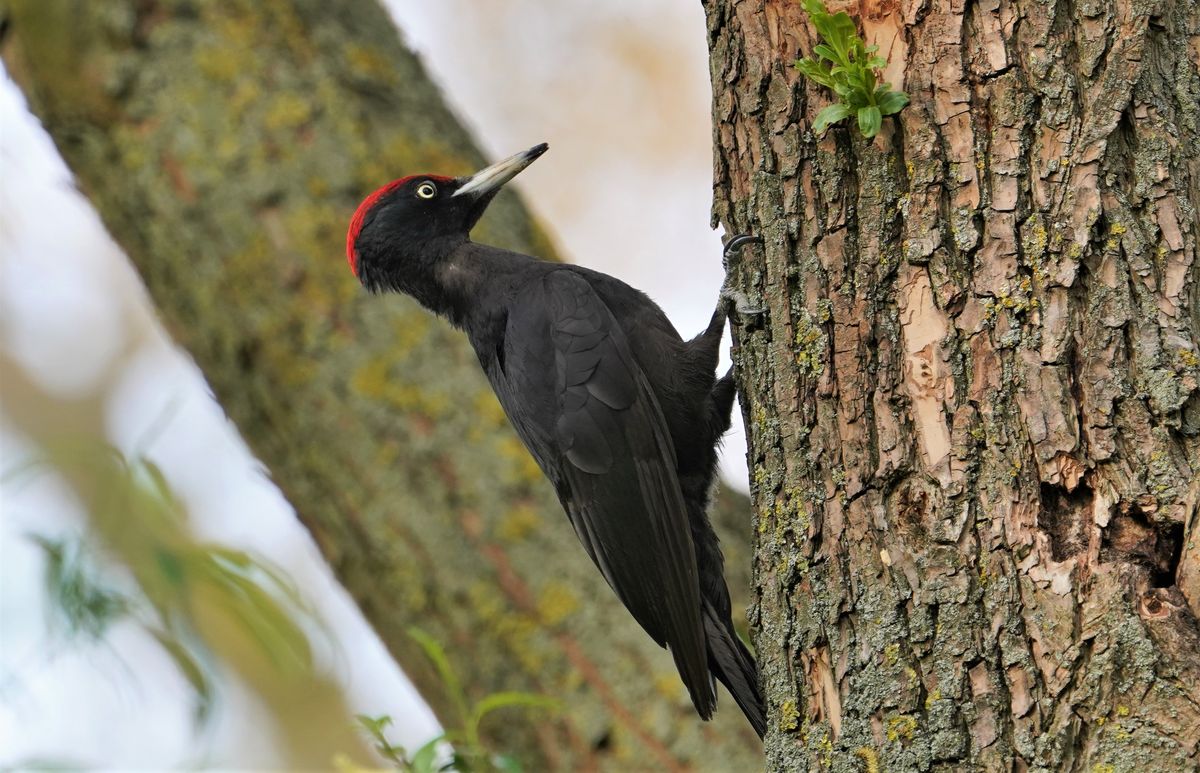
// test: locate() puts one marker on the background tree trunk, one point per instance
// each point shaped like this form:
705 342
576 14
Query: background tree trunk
972 400
225 145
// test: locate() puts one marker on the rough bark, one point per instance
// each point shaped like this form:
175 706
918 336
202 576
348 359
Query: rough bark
225 145
972 399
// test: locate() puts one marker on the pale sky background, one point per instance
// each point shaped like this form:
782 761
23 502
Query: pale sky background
618 88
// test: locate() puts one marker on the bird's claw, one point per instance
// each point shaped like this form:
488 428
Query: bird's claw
734 245
741 302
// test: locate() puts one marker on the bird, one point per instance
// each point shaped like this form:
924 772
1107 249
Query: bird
622 415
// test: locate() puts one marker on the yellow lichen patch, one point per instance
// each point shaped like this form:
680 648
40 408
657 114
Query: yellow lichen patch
901 727
238 33
287 111
318 187
1115 231
217 65
245 94
869 758
667 685
789 716
516 630
810 345
760 418
1187 358
374 380
285 23
556 603
228 148
293 372
369 63
803 516
525 469
409 332
487 408
826 746
317 231
1040 237
401 155
518 523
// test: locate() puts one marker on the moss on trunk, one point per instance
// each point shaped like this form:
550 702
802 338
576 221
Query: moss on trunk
973 406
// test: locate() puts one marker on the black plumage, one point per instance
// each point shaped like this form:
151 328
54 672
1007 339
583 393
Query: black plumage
621 413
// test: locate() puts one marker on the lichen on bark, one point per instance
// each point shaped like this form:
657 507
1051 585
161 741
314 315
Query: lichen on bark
975 480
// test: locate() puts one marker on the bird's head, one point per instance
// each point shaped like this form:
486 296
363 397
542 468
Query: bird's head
415 220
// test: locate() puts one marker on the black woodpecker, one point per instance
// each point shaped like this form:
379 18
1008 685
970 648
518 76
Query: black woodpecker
622 414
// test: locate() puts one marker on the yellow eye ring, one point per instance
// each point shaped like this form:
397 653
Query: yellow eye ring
426 190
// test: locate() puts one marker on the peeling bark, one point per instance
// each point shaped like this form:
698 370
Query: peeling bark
225 145
972 401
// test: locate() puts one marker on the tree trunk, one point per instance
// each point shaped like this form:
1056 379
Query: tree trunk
225 145
972 399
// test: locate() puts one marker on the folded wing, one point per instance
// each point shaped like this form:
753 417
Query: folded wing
609 453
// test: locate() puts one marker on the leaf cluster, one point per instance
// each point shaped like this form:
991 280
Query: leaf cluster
175 588
844 63
461 749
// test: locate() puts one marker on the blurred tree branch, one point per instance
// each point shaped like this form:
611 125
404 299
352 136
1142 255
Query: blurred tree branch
198 592
225 145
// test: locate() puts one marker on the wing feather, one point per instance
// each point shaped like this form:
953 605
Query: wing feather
621 490
578 398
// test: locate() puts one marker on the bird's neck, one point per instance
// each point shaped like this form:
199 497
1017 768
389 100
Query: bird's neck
461 283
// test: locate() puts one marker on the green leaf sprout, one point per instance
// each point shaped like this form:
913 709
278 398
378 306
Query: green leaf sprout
844 63
462 749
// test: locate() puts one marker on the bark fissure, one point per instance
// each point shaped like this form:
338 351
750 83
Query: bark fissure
974 466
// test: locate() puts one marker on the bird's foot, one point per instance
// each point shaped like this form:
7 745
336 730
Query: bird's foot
747 311
741 302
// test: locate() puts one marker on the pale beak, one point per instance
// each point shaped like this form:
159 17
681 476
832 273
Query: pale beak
487 181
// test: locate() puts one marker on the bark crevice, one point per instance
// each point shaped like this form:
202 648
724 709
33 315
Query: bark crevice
967 403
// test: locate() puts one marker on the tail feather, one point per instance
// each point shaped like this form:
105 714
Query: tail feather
734 666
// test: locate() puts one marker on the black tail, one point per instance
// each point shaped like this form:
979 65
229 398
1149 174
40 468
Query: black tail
733 664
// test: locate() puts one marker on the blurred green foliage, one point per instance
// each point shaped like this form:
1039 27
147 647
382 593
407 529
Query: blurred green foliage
215 611
176 585
81 605
460 749
180 590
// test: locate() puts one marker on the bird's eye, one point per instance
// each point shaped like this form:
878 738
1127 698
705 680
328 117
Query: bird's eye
426 190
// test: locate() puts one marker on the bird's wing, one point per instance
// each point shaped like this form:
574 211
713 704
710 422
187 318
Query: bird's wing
614 463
